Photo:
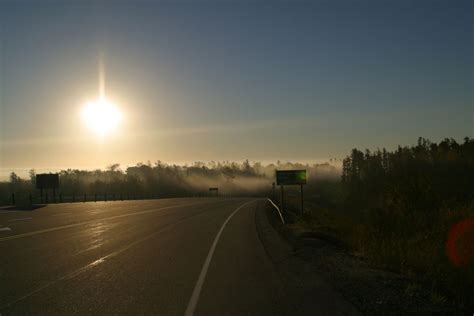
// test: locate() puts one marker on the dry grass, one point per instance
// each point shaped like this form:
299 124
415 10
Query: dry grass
399 243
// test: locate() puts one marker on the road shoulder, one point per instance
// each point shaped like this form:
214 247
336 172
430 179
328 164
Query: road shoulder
307 291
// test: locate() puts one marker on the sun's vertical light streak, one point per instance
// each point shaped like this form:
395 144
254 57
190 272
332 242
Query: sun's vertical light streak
102 116
101 77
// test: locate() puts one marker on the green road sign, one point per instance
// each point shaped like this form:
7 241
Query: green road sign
291 177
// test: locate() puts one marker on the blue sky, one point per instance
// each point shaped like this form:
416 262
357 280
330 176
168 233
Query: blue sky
232 79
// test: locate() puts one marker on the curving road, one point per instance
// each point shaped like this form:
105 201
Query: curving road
171 256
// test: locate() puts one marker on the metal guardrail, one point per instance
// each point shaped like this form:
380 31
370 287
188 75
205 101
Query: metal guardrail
278 209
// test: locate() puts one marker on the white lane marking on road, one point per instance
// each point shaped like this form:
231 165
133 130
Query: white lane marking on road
202 276
20 219
101 260
8 212
60 214
4 229
47 230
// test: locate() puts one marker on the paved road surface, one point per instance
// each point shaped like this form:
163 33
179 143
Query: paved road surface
172 256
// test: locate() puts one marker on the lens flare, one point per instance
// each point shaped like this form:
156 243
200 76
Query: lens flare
460 243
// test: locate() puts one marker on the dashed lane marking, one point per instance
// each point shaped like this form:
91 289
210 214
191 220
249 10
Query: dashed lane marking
20 219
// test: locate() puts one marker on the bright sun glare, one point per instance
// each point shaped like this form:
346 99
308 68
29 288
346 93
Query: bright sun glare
101 116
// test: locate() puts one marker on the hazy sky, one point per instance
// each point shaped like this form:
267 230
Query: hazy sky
231 80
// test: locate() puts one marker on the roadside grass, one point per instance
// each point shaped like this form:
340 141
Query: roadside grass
409 243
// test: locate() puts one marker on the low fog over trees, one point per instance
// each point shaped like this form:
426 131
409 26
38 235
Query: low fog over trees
159 179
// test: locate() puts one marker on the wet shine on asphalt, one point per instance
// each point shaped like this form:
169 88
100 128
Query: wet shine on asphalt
171 256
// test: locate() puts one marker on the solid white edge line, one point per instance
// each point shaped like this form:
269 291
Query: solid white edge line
279 212
3 229
100 260
202 276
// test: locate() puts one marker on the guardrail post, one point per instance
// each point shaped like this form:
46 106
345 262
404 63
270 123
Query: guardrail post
13 199
60 197
31 199
95 197
105 197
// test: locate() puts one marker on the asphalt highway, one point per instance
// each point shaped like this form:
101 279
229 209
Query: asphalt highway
166 257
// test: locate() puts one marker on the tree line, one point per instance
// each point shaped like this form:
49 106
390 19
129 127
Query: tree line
158 179
419 178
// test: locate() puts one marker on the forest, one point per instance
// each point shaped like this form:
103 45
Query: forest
409 210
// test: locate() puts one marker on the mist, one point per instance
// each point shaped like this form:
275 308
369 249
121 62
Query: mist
159 180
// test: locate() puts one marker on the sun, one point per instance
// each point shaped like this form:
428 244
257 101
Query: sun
101 116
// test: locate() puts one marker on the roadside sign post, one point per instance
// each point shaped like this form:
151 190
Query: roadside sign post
47 181
291 177
273 190
281 198
302 199
214 190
